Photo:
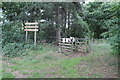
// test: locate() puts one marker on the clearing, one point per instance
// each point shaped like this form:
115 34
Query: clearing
47 63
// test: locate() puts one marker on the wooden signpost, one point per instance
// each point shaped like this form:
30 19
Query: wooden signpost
31 27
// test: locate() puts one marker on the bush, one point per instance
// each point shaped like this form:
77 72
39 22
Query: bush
18 49
113 33
12 32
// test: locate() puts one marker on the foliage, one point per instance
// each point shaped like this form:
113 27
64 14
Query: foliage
95 14
12 32
112 24
53 65
94 20
103 19
32 11
18 49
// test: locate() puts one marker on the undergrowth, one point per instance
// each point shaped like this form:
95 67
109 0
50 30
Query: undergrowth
19 49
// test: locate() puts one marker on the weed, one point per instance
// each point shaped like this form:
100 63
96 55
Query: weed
8 75
49 57
14 68
36 75
52 73
24 73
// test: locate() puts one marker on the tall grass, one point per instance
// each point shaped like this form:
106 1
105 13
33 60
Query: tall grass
47 58
21 49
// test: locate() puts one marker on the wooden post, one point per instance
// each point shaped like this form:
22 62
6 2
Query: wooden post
85 46
90 44
35 38
26 36
60 46
72 47
76 46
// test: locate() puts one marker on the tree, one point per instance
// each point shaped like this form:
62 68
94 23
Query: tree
64 18
112 24
95 16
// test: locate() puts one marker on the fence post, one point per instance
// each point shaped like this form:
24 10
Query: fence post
91 44
72 46
86 48
76 46
59 46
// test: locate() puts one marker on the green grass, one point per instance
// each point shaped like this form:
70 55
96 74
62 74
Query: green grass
8 75
36 74
48 63
25 73
14 68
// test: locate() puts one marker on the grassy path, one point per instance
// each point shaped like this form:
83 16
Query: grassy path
48 63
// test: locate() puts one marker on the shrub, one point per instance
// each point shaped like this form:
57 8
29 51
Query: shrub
112 24
17 49
12 32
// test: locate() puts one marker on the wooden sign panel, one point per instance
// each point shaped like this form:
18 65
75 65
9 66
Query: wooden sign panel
30 29
31 26
31 23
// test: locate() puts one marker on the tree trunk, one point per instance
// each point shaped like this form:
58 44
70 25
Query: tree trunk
68 24
65 24
58 32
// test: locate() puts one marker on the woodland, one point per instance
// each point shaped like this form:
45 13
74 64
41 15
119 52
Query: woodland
96 21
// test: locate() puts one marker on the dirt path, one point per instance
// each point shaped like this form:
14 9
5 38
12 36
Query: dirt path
98 67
